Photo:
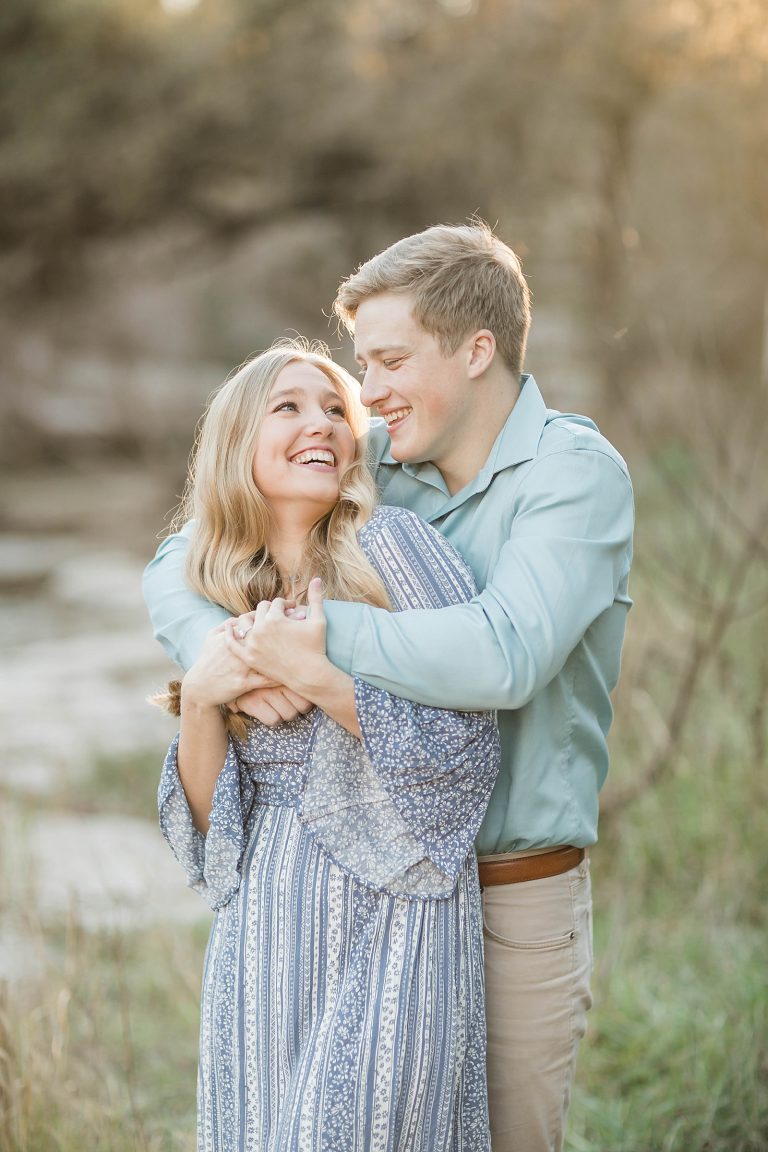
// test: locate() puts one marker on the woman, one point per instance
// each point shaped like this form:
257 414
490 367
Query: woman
342 1003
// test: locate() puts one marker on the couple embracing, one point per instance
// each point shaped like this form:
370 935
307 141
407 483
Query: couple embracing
400 638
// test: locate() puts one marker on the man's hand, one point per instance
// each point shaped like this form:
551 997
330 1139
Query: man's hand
279 645
272 706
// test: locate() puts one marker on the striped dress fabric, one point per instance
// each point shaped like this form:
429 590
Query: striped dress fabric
343 992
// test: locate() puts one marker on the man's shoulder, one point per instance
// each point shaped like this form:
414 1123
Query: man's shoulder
571 432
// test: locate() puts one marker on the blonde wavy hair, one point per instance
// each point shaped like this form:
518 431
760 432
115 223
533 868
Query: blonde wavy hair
228 560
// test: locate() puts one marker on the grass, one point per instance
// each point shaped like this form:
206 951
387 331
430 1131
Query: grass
676 1057
101 1052
125 784
676 1054
98 1051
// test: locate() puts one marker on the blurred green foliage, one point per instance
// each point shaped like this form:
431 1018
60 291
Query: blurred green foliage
624 143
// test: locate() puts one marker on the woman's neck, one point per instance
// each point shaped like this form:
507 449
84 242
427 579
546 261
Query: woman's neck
287 546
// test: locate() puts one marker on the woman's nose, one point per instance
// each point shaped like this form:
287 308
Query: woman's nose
320 423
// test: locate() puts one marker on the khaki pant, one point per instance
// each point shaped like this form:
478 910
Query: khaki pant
538 961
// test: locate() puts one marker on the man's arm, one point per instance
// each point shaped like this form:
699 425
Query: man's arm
181 619
561 567
559 570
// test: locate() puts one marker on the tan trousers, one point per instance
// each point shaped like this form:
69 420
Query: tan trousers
538 962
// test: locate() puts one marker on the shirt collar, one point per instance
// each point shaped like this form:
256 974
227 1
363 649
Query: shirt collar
518 440
425 473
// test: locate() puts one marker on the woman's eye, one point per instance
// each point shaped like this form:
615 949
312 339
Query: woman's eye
287 406
338 410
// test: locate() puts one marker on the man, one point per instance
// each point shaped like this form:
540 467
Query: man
540 505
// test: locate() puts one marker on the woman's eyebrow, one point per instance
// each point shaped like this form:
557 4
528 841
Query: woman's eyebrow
284 393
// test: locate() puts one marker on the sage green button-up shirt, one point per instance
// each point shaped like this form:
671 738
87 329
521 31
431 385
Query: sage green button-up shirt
546 526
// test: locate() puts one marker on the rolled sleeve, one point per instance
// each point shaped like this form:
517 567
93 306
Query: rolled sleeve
344 623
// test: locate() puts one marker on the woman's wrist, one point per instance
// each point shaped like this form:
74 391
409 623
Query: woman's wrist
194 698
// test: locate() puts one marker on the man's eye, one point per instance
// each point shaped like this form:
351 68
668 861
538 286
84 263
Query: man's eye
393 363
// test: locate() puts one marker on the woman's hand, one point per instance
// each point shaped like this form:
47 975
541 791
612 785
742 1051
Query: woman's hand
292 651
220 674
272 706
280 644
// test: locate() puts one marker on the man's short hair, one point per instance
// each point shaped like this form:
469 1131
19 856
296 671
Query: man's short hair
461 278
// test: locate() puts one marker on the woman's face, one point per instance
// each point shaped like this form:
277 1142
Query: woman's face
304 444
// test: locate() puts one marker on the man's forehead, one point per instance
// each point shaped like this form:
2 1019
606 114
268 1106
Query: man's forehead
384 323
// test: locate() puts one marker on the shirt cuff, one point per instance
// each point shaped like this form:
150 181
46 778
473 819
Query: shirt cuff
344 622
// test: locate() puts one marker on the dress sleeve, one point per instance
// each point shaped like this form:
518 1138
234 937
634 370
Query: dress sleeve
211 862
401 809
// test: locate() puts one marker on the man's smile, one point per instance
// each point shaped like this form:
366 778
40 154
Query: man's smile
396 417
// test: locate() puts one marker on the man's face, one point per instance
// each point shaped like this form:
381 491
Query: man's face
423 395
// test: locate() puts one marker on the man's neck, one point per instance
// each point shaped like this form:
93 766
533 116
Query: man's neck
460 468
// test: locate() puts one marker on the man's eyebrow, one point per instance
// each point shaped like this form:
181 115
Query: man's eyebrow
377 353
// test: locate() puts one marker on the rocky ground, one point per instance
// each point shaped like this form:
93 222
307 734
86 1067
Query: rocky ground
78 661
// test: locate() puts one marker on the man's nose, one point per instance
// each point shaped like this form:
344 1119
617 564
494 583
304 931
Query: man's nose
373 389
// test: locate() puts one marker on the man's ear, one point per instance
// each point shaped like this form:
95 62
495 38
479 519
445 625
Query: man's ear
482 349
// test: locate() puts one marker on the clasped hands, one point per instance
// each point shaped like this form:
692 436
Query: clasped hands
265 662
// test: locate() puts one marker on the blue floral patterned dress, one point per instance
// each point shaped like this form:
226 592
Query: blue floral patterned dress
343 991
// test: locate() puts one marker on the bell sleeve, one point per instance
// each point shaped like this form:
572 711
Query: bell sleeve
211 862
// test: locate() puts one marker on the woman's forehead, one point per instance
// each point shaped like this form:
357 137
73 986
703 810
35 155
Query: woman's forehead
302 376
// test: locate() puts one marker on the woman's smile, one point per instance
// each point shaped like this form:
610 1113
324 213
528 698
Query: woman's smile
322 459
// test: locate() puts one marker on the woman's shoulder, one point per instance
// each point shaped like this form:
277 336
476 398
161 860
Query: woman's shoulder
400 525
386 516
406 549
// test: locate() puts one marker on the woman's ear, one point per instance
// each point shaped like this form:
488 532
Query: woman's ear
482 349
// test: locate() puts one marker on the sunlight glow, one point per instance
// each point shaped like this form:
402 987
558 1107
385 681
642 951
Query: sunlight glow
460 7
176 7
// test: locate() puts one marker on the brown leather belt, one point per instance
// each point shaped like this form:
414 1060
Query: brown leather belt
529 867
